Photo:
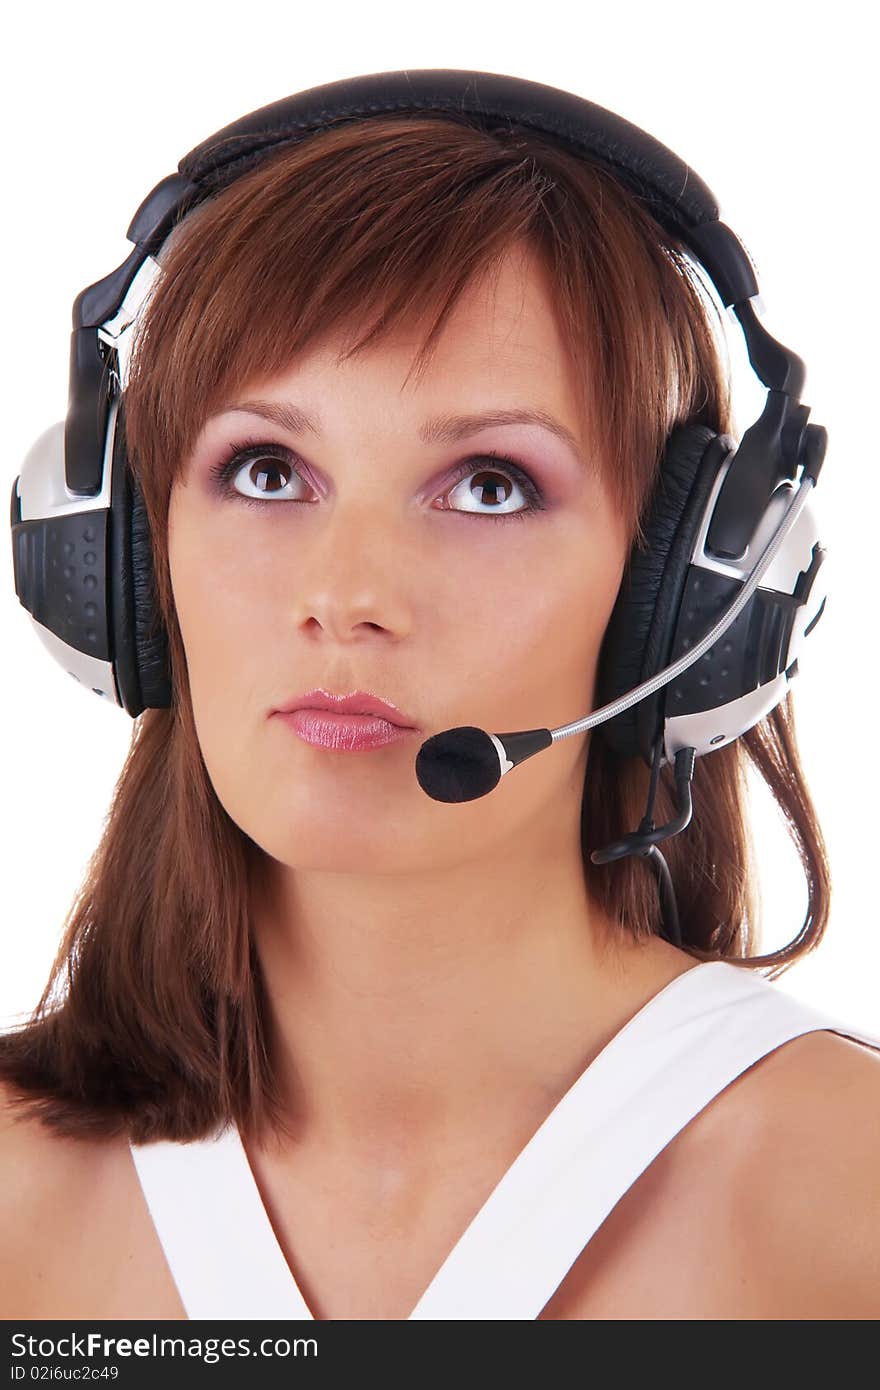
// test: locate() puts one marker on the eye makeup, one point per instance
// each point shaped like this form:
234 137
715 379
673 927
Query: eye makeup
241 452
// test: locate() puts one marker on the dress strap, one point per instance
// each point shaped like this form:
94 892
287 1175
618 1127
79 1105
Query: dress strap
215 1231
664 1066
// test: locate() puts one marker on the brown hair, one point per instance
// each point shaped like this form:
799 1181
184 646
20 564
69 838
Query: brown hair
162 1029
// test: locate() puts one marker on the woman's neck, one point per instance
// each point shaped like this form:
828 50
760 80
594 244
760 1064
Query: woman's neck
411 1014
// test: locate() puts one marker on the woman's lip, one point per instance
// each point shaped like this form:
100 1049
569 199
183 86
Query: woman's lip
343 733
360 702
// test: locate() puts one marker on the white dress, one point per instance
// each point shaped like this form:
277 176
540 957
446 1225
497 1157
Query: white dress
681 1049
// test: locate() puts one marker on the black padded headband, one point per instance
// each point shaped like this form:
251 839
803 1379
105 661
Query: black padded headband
488 100
677 197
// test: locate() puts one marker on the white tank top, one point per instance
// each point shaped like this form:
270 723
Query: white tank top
681 1049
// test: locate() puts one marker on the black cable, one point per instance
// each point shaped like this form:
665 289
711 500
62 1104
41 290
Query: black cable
671 927
644 840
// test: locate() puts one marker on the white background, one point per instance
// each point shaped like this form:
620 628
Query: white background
773 105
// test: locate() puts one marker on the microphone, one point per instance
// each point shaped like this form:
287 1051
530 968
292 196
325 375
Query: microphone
465 763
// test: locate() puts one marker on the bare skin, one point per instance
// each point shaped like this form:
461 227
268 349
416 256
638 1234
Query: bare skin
765 1206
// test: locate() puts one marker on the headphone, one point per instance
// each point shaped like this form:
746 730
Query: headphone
722 517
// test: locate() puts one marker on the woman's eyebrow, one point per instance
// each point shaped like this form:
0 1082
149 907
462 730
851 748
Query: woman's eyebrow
441 429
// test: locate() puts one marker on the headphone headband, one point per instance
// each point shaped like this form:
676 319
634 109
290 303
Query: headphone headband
488 100
675 195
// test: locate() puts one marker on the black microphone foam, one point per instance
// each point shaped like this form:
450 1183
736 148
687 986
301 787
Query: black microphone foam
465 763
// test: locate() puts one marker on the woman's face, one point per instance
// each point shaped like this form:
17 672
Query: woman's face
377 555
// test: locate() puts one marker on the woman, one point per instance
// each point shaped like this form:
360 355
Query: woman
382 998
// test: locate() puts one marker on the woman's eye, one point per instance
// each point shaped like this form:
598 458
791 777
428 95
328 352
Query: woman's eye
485 486
495 487
258 467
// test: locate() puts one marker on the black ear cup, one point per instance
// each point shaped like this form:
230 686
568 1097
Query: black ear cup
640 631
151 638
140 640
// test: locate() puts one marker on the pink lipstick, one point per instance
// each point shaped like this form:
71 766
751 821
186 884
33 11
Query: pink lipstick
344 733
350 723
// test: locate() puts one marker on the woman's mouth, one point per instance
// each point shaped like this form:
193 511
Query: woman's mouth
343 733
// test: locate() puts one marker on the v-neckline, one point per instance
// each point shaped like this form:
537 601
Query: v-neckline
262 1232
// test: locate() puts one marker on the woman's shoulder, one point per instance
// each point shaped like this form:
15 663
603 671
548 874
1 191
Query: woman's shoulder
818 1093
38 1165
47 1193
752 1202
808 1177
75 1236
